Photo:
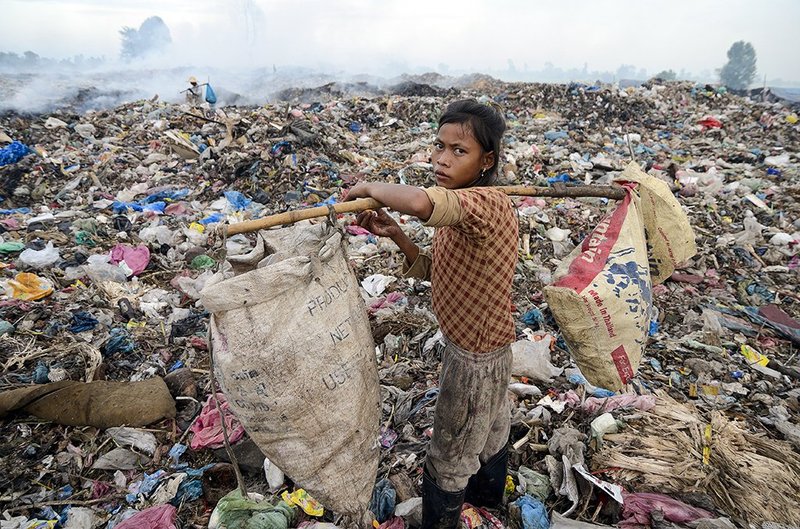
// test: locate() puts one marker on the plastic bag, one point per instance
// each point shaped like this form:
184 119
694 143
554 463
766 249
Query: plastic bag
535 484
136 258
29 287
602 299
39 259
13 152
207 428
302 499
211 96
533 513
532 359
158 517
234 511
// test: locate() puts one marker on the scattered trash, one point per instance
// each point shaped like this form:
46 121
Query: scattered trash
110 243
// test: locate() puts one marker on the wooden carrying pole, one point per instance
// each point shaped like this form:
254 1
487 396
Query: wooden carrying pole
613 192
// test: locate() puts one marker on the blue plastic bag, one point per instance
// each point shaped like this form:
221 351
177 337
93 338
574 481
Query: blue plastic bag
211 96
533 317
119 341
214 217
383 500
170 195
82 321
237 200
13 152
533 512
563 177
122 207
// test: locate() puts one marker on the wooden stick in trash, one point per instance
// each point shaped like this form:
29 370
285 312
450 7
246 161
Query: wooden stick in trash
558 190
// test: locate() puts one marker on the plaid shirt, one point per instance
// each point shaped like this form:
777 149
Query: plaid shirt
471 266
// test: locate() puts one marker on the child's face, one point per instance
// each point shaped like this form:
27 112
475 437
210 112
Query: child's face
458 157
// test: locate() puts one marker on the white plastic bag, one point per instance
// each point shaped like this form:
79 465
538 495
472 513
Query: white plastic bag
532 359
40 259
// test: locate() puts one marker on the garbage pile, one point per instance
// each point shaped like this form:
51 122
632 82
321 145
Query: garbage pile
110 227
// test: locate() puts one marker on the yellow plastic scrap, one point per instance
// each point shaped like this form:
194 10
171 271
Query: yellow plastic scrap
707 444
509 485
302 499
753 356
41 524
29 287
792 118
196 226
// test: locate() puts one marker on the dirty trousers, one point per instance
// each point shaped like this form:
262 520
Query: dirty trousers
472 419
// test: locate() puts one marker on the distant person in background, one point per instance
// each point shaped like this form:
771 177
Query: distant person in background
193 92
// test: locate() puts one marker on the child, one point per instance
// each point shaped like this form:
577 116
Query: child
470 266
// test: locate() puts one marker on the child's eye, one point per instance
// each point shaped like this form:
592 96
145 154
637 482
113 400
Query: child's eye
438 146
459 151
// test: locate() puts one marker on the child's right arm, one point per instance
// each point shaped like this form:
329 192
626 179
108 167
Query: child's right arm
405 199
381 224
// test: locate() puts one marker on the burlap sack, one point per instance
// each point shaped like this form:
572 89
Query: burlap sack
294 354
601 298
102 404
667 229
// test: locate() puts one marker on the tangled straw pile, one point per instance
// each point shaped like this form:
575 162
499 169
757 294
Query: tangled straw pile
748 476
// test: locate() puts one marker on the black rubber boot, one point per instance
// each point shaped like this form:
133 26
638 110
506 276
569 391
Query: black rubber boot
486 487
440 509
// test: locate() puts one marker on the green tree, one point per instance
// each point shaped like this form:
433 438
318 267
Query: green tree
151 37
666 75
740 70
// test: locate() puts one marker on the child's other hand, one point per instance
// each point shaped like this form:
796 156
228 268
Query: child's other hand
378 222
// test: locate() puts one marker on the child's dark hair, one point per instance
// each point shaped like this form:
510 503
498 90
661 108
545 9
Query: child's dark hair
487 125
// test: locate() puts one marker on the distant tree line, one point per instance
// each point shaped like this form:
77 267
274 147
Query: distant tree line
33 61
152 37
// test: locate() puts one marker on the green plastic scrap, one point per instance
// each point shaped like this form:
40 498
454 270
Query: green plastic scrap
84 238
237 512
11 247
536 484
202 262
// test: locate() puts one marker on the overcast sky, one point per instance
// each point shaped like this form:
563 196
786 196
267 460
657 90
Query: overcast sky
370 35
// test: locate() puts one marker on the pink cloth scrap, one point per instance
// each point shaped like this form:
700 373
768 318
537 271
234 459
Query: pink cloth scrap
158 517
11 224
357 230
207 428
386 301
637 507
640 402
137 258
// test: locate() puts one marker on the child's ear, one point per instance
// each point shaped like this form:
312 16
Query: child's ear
488 159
